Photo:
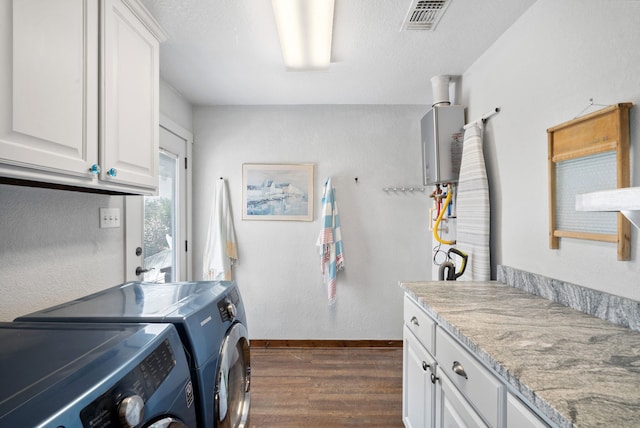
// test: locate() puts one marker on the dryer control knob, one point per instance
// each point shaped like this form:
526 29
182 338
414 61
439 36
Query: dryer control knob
231 310
130 411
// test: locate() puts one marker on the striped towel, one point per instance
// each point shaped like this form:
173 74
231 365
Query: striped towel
473 207
330 240
220 251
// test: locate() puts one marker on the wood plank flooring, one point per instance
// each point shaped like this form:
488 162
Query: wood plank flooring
326 387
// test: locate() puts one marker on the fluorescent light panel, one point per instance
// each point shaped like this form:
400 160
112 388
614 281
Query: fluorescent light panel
305 29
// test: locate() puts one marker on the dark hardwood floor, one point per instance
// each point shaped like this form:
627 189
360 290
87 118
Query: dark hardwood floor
326 387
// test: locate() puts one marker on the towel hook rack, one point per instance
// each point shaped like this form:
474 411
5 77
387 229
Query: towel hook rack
484 118
404 189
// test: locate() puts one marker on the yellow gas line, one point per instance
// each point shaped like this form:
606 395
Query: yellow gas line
447 201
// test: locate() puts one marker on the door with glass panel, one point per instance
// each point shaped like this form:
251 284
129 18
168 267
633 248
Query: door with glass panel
157 226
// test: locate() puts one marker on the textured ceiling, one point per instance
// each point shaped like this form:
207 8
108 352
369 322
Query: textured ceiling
226 52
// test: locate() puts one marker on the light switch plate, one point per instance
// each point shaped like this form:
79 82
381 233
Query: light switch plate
109 217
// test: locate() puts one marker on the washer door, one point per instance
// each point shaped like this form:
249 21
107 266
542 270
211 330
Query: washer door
232 395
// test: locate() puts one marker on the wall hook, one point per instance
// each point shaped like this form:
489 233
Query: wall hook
591 104
356 180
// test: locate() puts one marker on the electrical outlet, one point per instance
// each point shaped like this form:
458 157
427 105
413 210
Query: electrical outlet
109 217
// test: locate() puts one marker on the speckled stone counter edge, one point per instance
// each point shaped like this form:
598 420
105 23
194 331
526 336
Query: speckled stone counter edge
615 309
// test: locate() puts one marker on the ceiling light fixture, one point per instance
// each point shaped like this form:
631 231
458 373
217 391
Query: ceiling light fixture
305 29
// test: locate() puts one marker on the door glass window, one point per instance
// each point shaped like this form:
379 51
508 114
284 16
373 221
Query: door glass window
160 220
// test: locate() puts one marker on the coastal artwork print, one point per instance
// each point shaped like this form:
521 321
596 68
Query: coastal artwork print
277 192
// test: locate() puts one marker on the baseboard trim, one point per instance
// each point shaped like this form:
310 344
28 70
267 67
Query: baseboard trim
312 343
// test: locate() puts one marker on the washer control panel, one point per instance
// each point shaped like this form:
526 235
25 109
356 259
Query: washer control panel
123 404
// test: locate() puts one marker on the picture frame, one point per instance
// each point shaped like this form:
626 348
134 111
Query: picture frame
277 192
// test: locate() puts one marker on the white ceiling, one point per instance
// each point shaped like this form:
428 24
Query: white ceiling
226 52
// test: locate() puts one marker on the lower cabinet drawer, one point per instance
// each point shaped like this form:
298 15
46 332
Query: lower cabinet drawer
419 323
474 381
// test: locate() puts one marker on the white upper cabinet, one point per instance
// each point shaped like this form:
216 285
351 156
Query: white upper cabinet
130 115
49 85
79 94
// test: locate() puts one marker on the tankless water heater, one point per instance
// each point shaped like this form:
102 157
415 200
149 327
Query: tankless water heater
442 138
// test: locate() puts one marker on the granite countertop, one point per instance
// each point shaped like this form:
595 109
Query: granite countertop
578 370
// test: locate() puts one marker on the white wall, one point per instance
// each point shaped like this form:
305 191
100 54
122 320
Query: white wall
51 248
384 235
174 106
542 72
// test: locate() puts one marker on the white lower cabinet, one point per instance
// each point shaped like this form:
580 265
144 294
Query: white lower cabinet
445 386
418 397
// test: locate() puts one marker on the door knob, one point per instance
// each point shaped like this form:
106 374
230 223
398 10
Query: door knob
140 271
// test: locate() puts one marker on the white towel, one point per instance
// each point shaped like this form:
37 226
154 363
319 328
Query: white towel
220 251
330 241
473 207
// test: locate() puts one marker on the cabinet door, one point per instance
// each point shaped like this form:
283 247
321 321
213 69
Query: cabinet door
519 415
418 398
130 87
452 409
48 87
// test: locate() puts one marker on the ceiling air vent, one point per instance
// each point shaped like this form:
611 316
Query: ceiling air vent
424 14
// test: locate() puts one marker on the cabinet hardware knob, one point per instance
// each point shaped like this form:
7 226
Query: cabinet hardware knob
112 172
459 370
414 321
94 169
425 366
434 378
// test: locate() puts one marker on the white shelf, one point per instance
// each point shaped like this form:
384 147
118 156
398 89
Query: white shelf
626 200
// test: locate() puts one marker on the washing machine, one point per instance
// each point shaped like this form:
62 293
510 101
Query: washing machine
211 322
103 375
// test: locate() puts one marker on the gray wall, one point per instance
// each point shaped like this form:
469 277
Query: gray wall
542 72
384 234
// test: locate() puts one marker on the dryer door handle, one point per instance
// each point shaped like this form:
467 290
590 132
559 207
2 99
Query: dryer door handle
167 422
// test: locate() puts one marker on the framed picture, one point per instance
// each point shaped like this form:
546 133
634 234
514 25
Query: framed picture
277 192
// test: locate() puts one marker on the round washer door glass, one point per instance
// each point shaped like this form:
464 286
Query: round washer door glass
233 381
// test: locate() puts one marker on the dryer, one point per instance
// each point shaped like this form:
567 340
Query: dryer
98 376
211 321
